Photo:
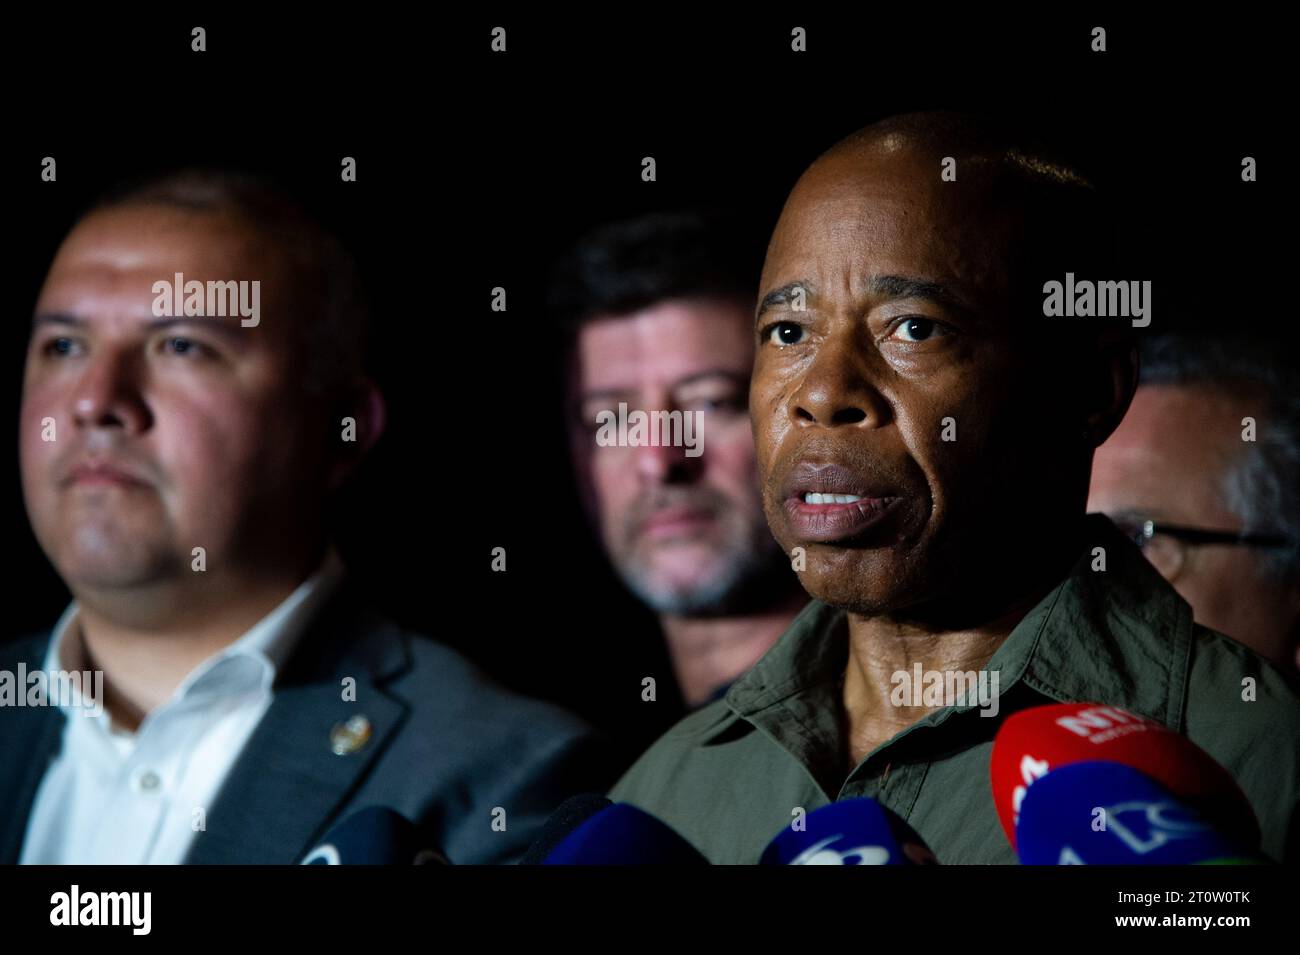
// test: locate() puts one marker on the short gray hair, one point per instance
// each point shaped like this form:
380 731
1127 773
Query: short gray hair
1263 486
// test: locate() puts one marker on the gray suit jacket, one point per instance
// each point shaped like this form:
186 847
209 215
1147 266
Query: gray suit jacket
447 747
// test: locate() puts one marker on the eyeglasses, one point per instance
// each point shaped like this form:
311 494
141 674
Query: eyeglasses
1165 545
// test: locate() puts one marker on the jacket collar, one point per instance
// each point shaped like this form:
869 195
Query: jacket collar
288 782
291 779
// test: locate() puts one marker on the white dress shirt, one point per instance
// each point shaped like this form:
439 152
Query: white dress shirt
117 797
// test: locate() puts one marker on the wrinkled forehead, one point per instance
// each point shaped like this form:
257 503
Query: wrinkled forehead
887 209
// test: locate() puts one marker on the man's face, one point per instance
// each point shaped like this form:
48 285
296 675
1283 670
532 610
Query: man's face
683 531
1167 463
167 435
900 387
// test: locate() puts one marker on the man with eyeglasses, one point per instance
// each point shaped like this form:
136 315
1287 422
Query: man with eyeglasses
1204 475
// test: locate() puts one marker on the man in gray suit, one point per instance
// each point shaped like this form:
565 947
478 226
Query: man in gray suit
193 394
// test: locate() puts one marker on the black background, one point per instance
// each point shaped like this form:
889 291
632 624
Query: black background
475 169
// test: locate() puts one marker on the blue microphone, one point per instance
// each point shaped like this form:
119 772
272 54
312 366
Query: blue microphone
375 835
1103 813
622 834
571 813
849 832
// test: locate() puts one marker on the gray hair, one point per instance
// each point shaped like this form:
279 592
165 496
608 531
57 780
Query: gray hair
1263 485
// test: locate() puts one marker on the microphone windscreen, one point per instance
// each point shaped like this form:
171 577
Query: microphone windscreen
622 834
571 813
375 835
1099 813
1035 741
849 832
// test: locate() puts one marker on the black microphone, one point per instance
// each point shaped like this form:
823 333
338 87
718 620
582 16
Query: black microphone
375 835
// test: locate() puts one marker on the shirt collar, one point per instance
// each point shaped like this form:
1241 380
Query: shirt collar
266 646
1113 631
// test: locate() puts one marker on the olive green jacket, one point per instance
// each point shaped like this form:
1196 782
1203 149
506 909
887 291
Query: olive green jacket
731 775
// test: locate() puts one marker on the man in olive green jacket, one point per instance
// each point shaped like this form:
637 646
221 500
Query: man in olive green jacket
925 431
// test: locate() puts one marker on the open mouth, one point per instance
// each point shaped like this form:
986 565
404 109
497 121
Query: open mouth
829 502
812 497
842 518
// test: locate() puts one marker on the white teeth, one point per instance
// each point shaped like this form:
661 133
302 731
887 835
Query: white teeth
812 497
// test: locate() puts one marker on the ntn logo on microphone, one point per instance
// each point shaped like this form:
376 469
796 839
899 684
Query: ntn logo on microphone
1101 724
1096 724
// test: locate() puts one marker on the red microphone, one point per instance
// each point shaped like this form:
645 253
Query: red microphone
1033 742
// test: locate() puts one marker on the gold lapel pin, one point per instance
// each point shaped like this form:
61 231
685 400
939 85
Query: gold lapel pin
349 737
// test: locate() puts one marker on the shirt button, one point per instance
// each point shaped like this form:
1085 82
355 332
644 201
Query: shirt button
148 781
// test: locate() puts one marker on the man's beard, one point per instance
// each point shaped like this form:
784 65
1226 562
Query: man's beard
748 567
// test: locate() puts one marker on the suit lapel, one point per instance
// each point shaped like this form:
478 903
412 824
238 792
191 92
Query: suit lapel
30 739
288 782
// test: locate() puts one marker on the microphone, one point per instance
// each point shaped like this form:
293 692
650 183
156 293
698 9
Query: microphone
572 813
622 834
375 835
850 832
1036 741
1100 813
